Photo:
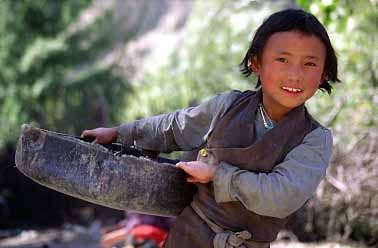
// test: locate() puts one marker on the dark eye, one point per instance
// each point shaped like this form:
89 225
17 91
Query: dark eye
282 60
310 64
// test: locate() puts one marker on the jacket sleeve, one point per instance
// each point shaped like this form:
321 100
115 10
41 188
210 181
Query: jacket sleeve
184 129
285 189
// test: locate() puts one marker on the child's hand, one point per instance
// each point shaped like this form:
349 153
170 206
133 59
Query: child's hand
101 135
199 172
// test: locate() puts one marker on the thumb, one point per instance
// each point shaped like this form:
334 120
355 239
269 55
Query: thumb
84 133
182 165
191 179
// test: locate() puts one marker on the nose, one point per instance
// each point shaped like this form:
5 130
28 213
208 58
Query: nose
295 73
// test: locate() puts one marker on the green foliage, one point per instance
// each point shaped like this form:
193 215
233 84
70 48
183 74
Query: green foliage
50 73
207 61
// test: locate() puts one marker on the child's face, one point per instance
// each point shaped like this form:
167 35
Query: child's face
290 69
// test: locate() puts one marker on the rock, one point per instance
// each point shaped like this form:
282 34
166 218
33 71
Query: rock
92 173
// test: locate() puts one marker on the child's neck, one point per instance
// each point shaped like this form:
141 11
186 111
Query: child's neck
276 112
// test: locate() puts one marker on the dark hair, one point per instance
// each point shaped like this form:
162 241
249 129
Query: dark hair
288 20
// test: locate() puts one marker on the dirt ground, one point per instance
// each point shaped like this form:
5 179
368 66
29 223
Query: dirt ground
282 244
79 237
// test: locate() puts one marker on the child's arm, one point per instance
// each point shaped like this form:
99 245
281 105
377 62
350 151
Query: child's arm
287 187
183 129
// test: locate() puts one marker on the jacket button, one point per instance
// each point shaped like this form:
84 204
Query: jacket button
203 152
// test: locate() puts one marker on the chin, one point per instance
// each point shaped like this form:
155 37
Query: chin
292 105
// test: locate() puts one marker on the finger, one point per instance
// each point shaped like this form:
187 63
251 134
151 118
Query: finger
84 133
185 167
182 165
191 179
88 133
95 141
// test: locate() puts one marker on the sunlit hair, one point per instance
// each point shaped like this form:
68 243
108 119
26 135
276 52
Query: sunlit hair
292 20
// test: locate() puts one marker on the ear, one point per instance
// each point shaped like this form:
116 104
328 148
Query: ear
255 65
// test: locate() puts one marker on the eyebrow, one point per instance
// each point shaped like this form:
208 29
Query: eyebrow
307 56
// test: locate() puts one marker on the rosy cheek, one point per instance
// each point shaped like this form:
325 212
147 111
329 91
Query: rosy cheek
314 76
314 85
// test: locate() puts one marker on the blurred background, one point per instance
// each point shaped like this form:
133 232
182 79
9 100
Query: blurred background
78 64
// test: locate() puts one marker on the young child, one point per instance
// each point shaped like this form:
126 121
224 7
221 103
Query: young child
262 155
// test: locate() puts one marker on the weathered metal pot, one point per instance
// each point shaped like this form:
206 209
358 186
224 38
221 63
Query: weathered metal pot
92 173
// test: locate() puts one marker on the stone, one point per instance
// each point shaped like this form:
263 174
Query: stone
93 173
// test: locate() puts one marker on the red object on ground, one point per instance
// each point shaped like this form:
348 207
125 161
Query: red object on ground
142 232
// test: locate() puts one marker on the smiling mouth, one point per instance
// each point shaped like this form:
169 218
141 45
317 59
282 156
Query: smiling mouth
294 90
